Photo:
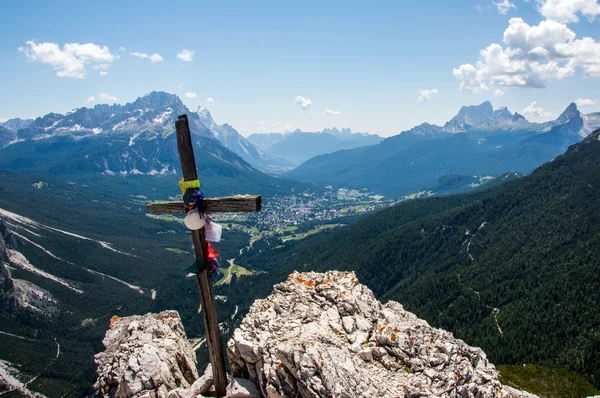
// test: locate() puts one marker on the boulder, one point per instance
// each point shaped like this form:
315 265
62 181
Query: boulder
326 335
145 356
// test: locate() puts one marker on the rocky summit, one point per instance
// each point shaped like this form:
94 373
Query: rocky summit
316 335
326 335
145 356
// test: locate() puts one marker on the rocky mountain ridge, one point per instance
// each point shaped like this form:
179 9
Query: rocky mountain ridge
477 141
17 123
317 335
147 118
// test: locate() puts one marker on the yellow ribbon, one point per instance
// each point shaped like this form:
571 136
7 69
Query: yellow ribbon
185 185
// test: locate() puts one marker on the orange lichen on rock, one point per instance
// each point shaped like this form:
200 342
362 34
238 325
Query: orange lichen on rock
307 282
114 319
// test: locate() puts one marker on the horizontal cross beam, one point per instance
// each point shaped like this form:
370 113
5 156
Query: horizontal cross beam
229 204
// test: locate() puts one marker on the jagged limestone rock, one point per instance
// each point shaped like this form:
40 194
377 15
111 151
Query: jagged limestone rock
326 335
145 356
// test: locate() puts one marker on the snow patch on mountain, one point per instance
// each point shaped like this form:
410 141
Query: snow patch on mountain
39 226
19 260
129 285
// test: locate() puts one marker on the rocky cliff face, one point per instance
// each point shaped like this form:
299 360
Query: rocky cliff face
317 335
18 295
146 356
326 335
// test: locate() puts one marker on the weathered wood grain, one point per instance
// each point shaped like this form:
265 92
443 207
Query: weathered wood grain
207 296
230 204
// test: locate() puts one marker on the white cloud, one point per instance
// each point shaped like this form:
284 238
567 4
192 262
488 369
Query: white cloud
210 100
190 94
103 73
504 6
186 55
122 49
585 102
470 79
566 10
305 103
533 110
426 95
71 60
91 99
498 93
331 112
479 8
532 56
107 97
154 58
262 125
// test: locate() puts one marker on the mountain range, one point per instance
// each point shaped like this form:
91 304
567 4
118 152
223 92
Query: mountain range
298 146
136 140
512 269
477 141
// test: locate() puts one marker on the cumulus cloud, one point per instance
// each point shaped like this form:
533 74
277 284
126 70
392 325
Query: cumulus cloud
103 73
585 102
498 93
210 100
504 6
566 11
531 57
425 95
190 94
186 55
122 49
533 110
71 60
90 101
107 97
331 112
154 58
305 103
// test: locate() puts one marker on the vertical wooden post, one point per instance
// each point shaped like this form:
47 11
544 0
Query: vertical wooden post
207 296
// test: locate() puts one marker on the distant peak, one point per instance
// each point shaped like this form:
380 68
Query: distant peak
572 108
502 113
158 99
570 113
474 113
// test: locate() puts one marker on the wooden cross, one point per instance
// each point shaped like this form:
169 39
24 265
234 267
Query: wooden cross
245 203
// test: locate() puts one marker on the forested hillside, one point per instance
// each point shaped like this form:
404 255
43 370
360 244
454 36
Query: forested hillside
514 269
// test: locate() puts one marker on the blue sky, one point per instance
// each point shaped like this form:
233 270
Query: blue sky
365 62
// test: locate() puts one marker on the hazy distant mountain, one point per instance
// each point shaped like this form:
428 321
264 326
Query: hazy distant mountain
17 123
232 140
477 141
6 136
299 146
